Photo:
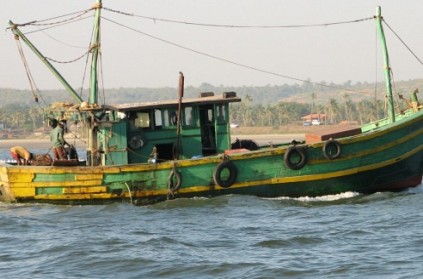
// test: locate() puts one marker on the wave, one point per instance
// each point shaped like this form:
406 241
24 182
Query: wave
327 198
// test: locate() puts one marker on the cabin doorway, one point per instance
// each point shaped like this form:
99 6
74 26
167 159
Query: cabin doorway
165 151
208 132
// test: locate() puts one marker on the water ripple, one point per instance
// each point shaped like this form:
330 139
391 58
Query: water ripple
355 236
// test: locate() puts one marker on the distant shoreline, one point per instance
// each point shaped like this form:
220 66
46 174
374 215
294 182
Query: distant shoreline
262 135
259 138
32 143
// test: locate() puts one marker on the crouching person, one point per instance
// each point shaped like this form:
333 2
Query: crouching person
21 155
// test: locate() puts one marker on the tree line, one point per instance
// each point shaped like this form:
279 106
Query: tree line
260 106
283 113
30 118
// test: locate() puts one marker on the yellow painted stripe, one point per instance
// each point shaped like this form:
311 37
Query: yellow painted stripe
63 170
21 177
24 192
70 197
44 184
82 177
85 190
258 154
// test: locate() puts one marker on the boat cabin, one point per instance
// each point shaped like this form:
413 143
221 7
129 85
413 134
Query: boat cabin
152 131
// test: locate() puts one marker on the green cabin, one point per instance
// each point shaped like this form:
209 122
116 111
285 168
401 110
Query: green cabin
152 131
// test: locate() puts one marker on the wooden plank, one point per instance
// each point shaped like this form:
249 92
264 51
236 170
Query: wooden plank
24 192
233 151
83 177
21 177
331 134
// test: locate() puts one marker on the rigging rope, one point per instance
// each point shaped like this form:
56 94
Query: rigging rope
101 75
35 22
69 61
236 26
402 41
31 80
83 76
229 61
59 41
57 25
376 73
79 15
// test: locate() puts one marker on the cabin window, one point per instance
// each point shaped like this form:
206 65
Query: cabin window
221 114
189 118
170 117
142 120
121 115
165 118
208 114
158 120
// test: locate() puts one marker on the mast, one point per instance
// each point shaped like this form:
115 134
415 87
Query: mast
92 144
388 84
95 51
178 127
19 34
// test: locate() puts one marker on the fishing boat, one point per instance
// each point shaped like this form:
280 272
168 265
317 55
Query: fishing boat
147 152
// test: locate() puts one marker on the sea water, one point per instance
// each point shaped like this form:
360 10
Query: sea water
341 236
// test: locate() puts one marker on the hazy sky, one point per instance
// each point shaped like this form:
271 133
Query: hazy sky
131 58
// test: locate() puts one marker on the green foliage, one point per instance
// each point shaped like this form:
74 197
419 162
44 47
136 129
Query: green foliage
21 117
261 106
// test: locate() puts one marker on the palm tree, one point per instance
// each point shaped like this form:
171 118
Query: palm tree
346 107
245 108
313 97
333 111
34 114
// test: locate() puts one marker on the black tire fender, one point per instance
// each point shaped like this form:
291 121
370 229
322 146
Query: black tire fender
332 149
217 174
295 151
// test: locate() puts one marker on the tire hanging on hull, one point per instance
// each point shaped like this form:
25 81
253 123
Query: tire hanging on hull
332 149
292 154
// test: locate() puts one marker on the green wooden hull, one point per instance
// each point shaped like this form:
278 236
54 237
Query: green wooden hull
121 139
388 158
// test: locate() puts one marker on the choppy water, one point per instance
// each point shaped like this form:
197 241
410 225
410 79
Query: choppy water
343 236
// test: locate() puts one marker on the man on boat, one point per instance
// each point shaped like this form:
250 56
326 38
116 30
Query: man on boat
21 155
57 140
